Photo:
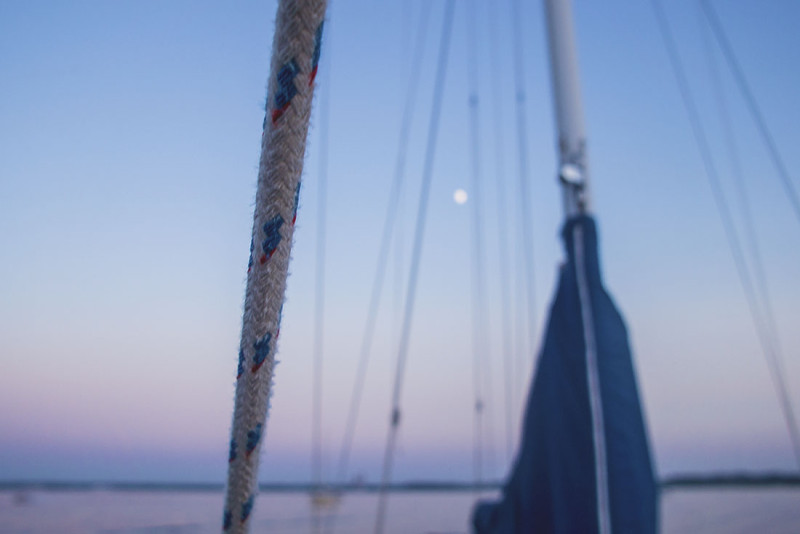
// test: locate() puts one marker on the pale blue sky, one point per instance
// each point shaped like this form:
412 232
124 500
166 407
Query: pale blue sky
129 138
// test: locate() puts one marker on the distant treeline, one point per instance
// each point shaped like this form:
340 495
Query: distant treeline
684 481
730 480
277 487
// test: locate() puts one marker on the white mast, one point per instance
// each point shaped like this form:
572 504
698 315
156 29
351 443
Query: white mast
573 175
573 171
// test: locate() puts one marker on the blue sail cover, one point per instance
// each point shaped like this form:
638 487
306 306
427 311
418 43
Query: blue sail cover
584 465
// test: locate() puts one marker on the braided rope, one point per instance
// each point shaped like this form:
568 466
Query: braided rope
296 50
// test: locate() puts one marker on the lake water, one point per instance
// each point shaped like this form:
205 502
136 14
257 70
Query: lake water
763 510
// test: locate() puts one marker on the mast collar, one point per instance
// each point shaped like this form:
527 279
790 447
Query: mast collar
571 174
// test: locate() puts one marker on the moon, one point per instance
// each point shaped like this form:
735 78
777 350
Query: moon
460 196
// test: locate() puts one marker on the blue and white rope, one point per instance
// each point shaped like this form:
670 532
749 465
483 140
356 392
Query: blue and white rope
296 51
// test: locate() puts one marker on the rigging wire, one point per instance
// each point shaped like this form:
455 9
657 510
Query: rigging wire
502 230
773 362
526 221
388 226
744 203
752 105
416 254
480 327
519 324
319 298
319 285
395 197
406 42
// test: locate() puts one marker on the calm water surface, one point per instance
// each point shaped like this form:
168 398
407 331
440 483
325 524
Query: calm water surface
763 511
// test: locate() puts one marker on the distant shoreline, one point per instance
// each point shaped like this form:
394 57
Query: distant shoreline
730 480
268 487
673 482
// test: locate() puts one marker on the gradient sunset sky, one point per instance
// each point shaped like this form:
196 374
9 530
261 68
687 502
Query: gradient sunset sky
129 143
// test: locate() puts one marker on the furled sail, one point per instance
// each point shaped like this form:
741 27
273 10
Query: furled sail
584 464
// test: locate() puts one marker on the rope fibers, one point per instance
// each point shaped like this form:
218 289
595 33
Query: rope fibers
773 362
752 106
295 57
482 365
416 253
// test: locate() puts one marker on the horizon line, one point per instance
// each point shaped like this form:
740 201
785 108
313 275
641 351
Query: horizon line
685 480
